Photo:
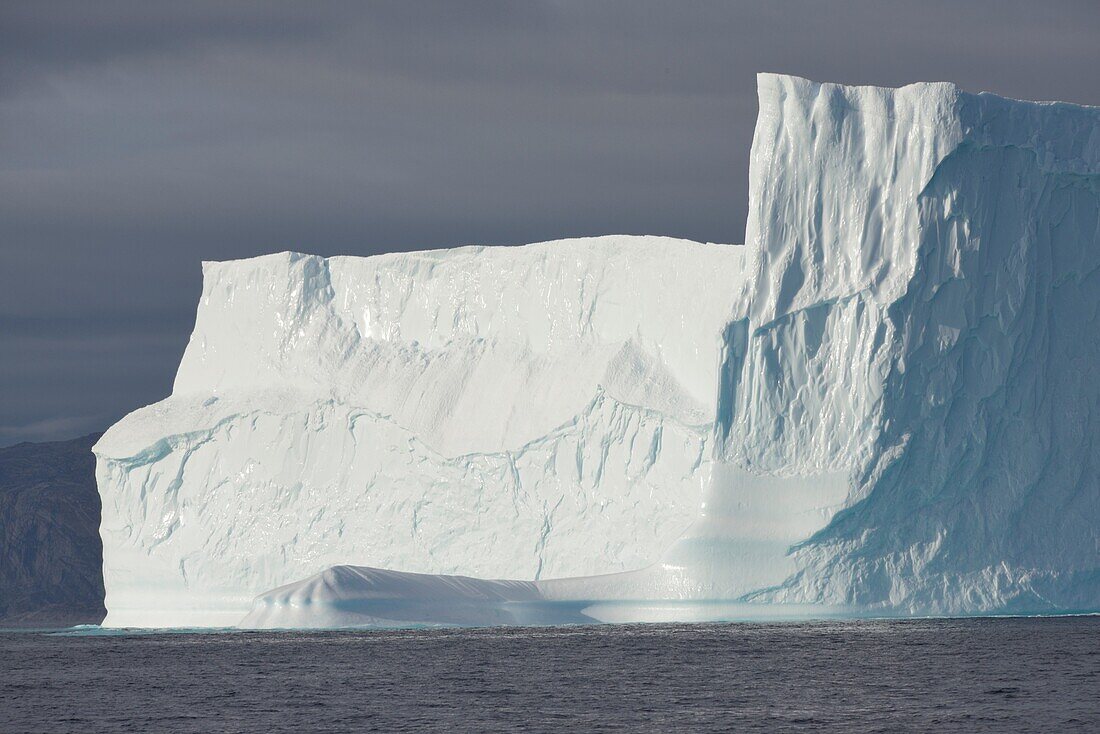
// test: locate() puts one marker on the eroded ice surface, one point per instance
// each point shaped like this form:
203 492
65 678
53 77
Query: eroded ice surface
926 322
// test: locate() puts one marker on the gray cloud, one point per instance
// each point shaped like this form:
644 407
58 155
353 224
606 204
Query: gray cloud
137 139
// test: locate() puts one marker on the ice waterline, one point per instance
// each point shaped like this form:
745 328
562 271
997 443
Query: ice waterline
886 402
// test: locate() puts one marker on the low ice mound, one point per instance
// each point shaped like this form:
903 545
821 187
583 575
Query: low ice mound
350 596
494 411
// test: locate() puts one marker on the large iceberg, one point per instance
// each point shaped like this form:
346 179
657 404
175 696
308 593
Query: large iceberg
888 401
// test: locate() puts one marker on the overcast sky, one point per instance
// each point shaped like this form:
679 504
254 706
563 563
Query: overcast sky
137 139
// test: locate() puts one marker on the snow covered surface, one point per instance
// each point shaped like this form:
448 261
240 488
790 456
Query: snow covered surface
902 419
498 412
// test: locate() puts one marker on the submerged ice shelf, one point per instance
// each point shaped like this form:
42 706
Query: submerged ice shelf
887 402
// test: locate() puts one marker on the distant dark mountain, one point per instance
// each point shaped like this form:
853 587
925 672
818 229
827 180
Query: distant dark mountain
51 557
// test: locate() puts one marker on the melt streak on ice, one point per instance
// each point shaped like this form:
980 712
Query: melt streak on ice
888 401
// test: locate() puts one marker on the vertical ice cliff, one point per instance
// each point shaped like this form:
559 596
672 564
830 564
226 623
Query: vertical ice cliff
909 414
516 412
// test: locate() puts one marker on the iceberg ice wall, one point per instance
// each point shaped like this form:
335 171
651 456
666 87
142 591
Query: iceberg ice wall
515 412
888 400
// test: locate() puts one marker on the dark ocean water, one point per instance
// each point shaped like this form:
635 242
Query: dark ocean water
1019 675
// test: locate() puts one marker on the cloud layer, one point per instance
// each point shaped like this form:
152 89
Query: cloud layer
137 139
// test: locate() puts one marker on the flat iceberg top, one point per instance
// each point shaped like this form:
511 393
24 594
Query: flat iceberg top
938 99
840 168
546 296
462 346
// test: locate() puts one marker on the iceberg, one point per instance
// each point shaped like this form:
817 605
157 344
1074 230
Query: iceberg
886 402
